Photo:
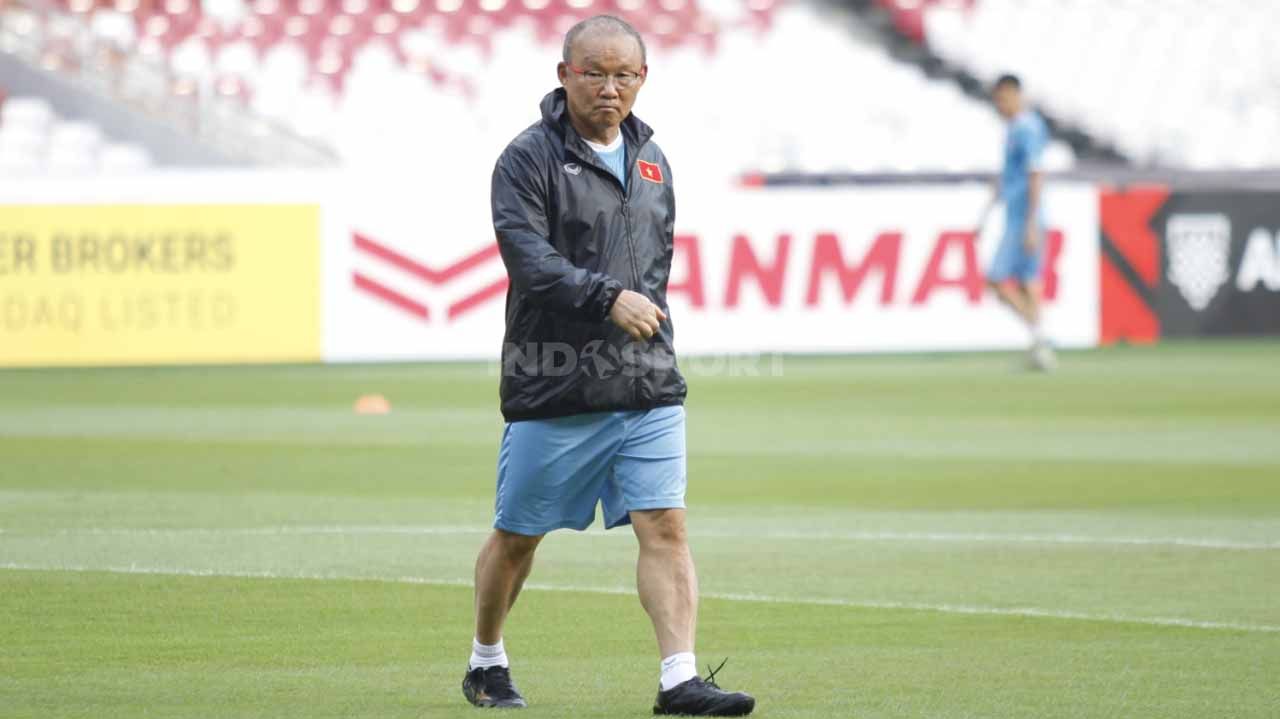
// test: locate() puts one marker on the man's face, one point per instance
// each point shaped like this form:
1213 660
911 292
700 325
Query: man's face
602 106
1008 100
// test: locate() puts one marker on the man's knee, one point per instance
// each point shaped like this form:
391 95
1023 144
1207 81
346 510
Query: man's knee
515 547
661 527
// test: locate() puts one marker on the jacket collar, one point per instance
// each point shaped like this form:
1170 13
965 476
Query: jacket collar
555 118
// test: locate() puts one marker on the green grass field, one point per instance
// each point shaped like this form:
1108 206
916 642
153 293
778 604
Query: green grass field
876 537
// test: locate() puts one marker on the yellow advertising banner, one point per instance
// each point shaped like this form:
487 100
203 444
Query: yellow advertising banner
159 284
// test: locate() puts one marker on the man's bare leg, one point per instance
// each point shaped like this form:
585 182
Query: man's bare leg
1024 299
1017 299
504 563
668 588
1031 299
666 579
1031 293
1042 355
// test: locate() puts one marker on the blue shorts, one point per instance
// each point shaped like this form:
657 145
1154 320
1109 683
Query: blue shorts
552 472
1012 259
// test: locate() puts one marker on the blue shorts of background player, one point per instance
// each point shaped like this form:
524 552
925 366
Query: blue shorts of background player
553 472
1012 260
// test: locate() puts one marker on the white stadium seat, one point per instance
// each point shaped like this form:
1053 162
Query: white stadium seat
33 140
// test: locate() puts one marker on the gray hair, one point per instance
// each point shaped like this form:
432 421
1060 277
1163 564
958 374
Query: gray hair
604 25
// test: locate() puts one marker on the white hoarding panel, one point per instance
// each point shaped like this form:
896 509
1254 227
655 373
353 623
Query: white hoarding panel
867 269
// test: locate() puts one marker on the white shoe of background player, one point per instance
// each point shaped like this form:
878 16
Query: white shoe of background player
1042 357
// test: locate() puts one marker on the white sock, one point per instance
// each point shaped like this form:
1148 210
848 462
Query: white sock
678 668
488 655
1037 334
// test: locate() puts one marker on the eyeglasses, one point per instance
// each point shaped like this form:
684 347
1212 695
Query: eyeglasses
597 79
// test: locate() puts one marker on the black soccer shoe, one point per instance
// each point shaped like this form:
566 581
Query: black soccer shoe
492 687
703 698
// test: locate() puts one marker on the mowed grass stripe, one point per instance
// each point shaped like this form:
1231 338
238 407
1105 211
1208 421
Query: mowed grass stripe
1028 612
798 536
447 471
1131 580
147 509
837 432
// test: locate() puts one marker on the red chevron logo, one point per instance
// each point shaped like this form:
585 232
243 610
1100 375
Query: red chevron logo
427 275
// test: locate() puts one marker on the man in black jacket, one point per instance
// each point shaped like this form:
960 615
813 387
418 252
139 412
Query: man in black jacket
584 212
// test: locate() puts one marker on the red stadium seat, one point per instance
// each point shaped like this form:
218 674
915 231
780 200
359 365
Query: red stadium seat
332 32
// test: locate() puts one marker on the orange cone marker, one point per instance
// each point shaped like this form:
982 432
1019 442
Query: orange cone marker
372 404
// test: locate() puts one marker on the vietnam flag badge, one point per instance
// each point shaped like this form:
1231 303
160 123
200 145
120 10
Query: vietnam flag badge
650 171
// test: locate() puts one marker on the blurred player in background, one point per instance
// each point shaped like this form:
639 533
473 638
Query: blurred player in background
1014 274
584 213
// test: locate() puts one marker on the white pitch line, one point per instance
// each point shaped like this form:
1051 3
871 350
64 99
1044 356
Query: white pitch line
868 536
1028 612
284 530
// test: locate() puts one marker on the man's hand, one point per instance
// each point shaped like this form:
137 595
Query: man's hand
1032 240
634 313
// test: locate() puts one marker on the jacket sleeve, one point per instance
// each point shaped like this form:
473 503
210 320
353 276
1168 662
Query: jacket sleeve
519 196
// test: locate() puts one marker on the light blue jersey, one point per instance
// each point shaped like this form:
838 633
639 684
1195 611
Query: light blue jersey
614 157
1023 148
1024 145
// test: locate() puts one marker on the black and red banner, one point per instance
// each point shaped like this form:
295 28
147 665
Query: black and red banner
1185 263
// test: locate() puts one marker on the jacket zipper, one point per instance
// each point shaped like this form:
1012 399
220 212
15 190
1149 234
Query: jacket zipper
626 218
635 266
624 190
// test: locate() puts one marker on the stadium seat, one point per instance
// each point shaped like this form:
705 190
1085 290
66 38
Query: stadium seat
34 140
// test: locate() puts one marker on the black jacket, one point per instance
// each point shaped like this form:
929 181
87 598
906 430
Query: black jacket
572 239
